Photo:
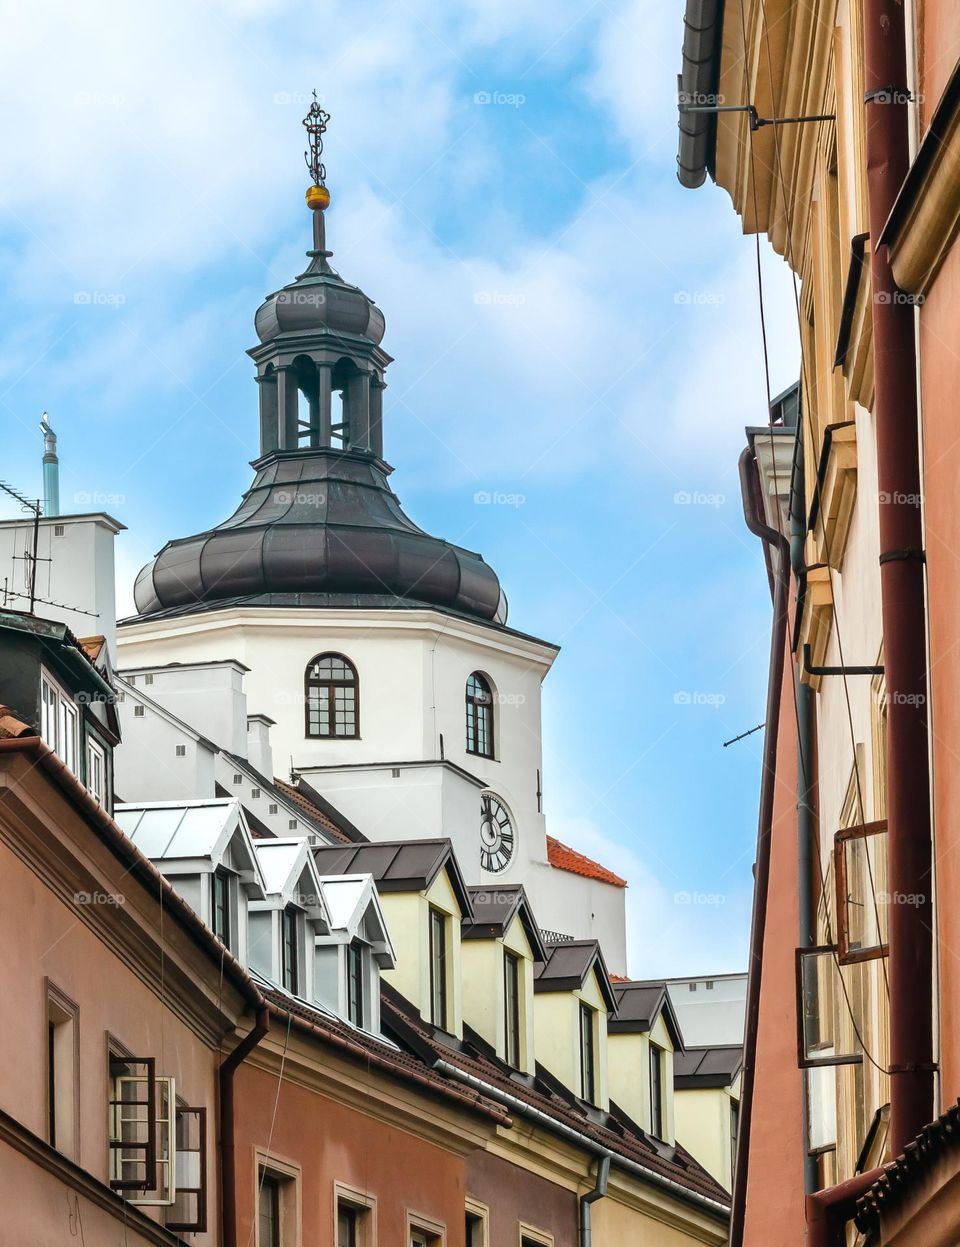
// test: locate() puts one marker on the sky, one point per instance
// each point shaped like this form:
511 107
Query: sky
576 341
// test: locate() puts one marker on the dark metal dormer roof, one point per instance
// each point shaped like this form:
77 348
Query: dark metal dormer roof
569 964
639 1004
494 909
397 865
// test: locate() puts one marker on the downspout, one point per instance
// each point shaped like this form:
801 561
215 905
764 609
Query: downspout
778 640
587 1201
896 419
228 1155
806 818
829 1211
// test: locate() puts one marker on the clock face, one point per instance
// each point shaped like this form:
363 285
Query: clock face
496 833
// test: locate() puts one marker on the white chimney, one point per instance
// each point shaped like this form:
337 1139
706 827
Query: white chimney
207 696
259 749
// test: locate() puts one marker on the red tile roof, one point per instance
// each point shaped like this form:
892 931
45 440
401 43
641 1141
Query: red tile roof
91 646
562 857
10 725
313 811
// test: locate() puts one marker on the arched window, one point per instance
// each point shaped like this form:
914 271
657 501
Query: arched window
479 716
332 689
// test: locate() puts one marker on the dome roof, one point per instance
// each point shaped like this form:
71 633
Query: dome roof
318 522
320 300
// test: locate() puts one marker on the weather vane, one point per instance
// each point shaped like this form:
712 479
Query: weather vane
315 124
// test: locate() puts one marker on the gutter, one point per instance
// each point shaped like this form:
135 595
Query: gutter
829 1211
523 1109
773 540
697 85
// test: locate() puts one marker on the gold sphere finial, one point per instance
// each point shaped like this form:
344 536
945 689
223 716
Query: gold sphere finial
318 198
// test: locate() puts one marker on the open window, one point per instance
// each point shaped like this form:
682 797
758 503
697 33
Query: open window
133 1123
822 992
188 1214
860 872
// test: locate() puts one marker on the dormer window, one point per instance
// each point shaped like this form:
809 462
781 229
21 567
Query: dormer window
332 687
221 905
355 982
60 721
290 949
588 1054
512 978
479 700
97 771
656 1091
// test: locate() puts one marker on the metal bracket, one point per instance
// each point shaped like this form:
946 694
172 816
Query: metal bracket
756 121
810 669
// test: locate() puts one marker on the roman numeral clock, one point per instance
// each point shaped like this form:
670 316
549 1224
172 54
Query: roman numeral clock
496 834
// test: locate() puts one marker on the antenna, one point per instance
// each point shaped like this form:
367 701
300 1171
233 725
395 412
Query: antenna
33 507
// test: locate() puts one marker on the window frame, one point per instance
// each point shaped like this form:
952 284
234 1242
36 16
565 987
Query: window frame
361 1203
657 1087
61 1011
354 960
287 1178
199 1224
804 1061
115 1144
58 709
513 976
845 953
480 1213
222 876
588 1053
96 751
326 689
439 952
290 968
480 718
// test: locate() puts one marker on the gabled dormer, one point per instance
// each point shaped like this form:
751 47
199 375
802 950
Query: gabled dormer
572 1000
643 1038
356 948
501 949
285 924
425 901
52 683
204 848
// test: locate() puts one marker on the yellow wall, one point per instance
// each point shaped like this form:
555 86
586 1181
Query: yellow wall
629 1074
703 1119
483 990
408 921
557 1021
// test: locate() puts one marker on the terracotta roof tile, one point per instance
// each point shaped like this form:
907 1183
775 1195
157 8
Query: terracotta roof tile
91 646
313 811
562 857
10 725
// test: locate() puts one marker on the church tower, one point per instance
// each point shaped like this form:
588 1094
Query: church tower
379 654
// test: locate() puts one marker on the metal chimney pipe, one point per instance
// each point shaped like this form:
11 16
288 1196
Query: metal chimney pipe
51 469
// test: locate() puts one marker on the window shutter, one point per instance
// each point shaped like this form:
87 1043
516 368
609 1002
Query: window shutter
189 1212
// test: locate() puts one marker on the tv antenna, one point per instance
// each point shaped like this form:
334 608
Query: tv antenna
32 507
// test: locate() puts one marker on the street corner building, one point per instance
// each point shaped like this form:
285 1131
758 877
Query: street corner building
368 1002
835 130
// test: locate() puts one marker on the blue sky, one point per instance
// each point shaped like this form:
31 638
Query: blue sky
573 334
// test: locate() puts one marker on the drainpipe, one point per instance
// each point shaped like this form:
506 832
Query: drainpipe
587 1201
228 1155
752 513
806 818
896 419
829 1211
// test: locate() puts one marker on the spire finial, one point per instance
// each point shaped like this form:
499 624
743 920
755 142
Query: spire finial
315 124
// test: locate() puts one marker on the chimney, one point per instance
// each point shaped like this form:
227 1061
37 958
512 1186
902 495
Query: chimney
259 749
51 469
